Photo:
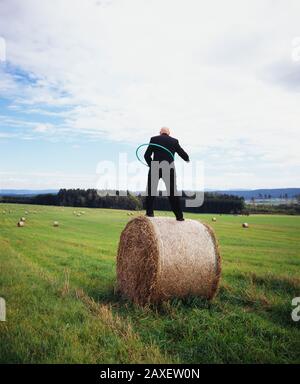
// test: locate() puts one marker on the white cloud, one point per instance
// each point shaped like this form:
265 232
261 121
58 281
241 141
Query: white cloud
218 73
46 180
43 128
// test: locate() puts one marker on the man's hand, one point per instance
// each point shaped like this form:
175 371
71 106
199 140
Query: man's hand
181 152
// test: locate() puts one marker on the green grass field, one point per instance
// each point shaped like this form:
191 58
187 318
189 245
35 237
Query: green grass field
58 284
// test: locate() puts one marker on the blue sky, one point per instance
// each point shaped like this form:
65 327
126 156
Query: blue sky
82 82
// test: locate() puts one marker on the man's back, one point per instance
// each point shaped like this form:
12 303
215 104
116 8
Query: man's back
159 154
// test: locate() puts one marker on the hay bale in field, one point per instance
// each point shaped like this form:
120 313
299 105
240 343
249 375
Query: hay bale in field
23 219
21 223
214 219
56 224
78 214
245 225
159 258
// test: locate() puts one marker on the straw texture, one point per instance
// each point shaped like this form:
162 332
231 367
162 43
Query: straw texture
159 258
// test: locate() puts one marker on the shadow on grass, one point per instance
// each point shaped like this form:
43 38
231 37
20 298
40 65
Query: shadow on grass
167 309
266 296
277 284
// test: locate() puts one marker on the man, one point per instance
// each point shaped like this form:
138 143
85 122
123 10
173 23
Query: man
162 166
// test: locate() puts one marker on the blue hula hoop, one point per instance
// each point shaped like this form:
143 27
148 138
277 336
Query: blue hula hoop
155 145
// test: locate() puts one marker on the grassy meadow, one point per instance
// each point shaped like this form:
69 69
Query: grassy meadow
58 284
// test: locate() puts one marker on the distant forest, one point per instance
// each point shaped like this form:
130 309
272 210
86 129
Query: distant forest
213 203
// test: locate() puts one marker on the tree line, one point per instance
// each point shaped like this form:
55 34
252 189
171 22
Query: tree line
90 198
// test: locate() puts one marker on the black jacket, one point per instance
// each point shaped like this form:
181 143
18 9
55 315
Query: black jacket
160 154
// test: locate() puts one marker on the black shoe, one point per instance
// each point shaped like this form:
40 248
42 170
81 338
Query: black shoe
180 219
149 214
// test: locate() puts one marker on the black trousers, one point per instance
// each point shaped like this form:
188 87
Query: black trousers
171 191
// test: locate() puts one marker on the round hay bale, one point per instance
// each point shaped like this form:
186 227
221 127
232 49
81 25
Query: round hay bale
21 224
56 224
78 214
245 225
214 219
23 219
159 258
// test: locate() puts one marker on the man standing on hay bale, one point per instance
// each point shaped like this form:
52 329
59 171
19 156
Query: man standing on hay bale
163 148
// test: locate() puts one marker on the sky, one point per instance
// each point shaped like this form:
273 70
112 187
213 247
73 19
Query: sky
83 81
